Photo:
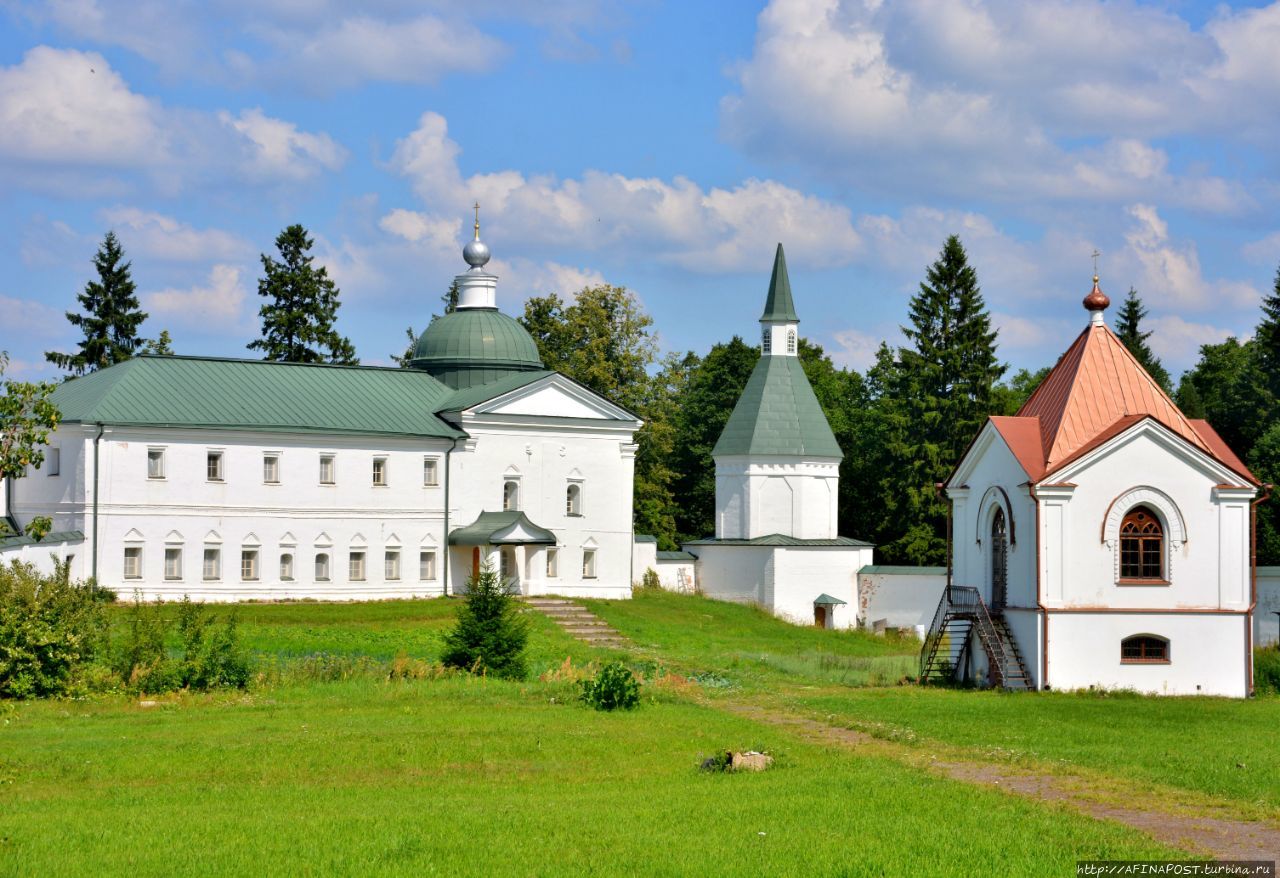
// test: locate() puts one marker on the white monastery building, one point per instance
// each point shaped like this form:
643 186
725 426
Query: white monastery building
236 479
1100 538
777 487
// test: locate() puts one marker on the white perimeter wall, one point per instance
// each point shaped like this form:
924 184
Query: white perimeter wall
1264 617
1206 653
902 598
783 580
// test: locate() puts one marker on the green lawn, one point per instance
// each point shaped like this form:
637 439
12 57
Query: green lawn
480 777
750 648
1219 746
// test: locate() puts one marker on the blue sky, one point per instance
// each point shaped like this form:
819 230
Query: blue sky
662 147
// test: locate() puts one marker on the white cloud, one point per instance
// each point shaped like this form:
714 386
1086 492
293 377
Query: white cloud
527 278
1177 341
64 106
434 233
157 236
854 348
1170 271
1265 250
276 148
217 304
31 318
675 222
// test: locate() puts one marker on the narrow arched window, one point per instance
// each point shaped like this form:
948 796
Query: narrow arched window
1144 648
766 339
573 500
999 560
1141 545
791 341
510 495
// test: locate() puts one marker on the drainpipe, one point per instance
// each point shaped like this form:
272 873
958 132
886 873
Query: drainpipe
445 559
96 441
1253 586
940 488
1044 611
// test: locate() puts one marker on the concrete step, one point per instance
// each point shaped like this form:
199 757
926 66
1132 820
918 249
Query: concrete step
581 622
594 631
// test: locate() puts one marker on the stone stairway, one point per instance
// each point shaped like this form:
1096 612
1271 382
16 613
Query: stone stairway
579 622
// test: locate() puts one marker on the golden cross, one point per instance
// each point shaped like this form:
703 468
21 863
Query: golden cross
477 207
1096 254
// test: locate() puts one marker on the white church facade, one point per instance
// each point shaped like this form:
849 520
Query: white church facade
1100 539
244 479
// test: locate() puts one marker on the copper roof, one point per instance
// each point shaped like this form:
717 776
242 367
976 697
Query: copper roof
1096 391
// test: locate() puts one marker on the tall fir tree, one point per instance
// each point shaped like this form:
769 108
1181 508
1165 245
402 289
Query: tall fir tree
1267 339
111 315
1129 329
943 392
302 307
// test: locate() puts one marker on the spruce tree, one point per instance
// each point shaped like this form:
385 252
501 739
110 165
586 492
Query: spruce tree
490 636
111 315
1267 339
1129 329
942 393
302 307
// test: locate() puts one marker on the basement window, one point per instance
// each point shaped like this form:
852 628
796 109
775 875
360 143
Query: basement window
1144 649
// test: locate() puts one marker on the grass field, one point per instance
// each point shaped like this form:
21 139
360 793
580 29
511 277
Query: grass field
353 773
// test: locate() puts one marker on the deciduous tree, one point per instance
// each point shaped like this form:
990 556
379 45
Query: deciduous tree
27 417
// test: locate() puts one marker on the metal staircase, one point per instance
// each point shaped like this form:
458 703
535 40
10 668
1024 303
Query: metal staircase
961 613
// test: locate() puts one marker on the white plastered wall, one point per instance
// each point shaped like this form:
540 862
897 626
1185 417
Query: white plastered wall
758 496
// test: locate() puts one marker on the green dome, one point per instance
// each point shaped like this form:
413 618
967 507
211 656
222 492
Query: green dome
474 346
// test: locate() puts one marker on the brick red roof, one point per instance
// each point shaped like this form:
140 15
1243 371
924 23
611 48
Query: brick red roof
1096 391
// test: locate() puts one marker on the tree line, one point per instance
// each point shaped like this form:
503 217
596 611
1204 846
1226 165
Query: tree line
902 423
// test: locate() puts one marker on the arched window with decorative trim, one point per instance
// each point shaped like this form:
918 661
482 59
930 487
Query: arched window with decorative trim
510 495
573 500
766 339
1144 649
1141 545
791 341
999 560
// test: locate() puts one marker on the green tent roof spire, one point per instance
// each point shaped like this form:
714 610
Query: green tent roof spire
779 306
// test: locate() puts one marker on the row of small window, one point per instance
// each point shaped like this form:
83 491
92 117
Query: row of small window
572 497
271 468
250 571
766 340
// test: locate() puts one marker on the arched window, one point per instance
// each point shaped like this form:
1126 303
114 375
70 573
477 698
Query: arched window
766 339
1144 649
791 341
510 495
286 567
573 500
999 560
322 567
1141 545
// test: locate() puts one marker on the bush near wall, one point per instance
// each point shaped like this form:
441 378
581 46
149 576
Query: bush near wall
51 630
1266 670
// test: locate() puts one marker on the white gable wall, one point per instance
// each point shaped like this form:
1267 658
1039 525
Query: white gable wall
759 496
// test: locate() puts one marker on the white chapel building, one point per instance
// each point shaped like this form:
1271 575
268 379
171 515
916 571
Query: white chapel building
777 488
229 479
1100 538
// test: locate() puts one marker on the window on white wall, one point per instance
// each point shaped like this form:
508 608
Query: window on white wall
133 562
588 563
380 472
766 339
573 499
791 341
213 466
391 564
271 469
1144 649
322 567
426 565
355 567
249 565
286 567
52 461
211 569
430 472
553 562
510 495
155 463
326 469
173 563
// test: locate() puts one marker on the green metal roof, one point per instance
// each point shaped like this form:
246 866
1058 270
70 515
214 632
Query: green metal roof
476 337
828 600
779 305
257 395
781 540
675 556
488 528
646 538
469 396
55 538
903 570
778 414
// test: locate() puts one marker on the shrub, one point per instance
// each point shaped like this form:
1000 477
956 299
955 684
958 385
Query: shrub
1266 671
614 687
490 636
209 656
650 581
50 629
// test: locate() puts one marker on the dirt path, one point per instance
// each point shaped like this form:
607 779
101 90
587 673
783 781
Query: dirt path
1217 837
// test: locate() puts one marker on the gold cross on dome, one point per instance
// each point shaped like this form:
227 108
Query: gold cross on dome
477 207
1095 254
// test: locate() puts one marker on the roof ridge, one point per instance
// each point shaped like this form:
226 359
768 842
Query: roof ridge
251 360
